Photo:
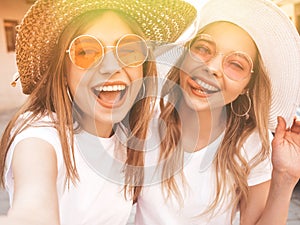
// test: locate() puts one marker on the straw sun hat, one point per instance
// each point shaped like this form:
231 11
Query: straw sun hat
277 41
160 20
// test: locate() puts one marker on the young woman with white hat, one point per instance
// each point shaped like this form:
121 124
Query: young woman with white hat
69 155
222 100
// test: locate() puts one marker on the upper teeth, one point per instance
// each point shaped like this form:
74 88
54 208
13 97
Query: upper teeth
111 88
206 85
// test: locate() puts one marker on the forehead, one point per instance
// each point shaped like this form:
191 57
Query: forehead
109 27
230 37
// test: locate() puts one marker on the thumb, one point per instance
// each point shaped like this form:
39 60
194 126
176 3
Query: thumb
281 128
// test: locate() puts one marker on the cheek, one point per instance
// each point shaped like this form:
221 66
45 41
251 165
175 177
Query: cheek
182 77
192 66
233 90
74 78
230 96
140 73
135 73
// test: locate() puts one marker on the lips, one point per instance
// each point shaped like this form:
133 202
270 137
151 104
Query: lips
110 94
202 88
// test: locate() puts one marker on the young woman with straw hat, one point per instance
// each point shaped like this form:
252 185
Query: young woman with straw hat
213 155
71 154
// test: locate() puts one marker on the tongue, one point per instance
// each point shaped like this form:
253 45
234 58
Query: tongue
109 96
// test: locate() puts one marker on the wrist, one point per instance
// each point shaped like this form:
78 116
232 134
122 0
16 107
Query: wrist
284 179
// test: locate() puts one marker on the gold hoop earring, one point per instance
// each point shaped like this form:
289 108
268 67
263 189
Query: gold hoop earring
69 94
143 92
246 114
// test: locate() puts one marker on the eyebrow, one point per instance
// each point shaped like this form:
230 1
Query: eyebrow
206 38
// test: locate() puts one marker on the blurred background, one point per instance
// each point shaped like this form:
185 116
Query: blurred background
11 13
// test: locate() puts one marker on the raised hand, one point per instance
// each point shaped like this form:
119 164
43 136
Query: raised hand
286 149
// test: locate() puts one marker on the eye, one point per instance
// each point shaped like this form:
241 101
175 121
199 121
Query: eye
126 51
238 61
81 53
203 49
235 64
89 52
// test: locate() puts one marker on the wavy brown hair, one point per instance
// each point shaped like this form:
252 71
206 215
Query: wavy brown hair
231 167
50 96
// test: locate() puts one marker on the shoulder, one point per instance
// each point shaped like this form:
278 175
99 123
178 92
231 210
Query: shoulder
33 152
254 138
37 135
261 166
253 143
37 128
41 127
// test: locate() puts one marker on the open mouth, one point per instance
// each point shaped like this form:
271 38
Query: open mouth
109 95
201 87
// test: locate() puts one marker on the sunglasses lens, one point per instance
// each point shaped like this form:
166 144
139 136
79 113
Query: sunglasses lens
132 50
237 65
85 51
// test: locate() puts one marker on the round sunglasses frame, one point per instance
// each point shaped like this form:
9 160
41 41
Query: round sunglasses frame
103 47
224 56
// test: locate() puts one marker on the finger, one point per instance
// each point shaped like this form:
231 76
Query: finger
281 128
295 126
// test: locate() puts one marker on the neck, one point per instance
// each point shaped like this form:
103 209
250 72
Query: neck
100 129
200 128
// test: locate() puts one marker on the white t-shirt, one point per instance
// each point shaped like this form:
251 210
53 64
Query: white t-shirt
153 208
98 198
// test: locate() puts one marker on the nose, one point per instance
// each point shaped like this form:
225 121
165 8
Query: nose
109 64
215 65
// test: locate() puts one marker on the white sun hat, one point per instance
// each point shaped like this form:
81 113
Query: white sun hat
277 41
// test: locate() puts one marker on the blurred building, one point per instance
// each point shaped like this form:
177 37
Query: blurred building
11 13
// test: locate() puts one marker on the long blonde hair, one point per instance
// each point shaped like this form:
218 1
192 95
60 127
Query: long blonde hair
51 95
231 167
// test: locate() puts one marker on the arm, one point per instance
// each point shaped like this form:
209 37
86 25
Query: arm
285 175
251 209
35 195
